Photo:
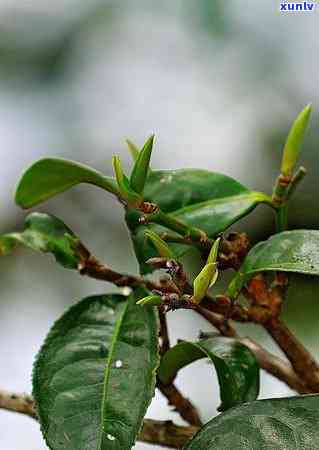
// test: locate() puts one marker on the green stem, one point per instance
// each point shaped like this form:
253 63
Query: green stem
168 221
282 218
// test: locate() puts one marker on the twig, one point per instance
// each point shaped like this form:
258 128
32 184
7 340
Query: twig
166 433
302 361
276 366
158 432
163 332
272 364
20 403
181 404
266 309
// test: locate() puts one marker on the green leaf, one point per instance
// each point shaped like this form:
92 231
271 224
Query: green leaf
141 167
150 300
161 246
236 367
289 251
48 177
204 280
132 198
48 234
134 150
212 257
95 374
294 140
207 200
277 424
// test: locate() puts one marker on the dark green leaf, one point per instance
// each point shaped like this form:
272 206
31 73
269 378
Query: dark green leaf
207 200
236 367
289 251
141 166
48 177
45 233
95 374
278 424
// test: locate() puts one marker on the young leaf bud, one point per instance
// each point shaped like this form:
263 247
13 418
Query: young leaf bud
294 140
127 193
141 167
150 300
161 246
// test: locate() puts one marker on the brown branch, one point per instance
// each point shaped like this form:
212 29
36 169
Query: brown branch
301 360
181 404
166 433
158 432
272 364
266 304
20 403
276 366
165 345
306 368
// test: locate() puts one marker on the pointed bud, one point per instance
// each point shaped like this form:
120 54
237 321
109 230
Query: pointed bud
161 246
127 193
212 257
204 280
150 300
133 149
141 167
294 140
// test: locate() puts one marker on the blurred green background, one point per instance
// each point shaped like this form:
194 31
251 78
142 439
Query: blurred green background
219 83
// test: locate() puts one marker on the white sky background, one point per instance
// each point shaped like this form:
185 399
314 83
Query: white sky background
208 103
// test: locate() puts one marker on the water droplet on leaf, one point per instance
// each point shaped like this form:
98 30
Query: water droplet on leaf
118 364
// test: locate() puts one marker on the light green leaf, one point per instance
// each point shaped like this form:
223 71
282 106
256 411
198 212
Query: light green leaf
150 300
203 281
289 251
277 424
48 234
134 150
294 140
161 246
126 192
95 374
212 257
141 167
236 367
51 176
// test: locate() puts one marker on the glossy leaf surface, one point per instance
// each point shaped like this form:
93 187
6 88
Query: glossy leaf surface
285 423
289 251
236 367
51 176
207 200
95 374
45 233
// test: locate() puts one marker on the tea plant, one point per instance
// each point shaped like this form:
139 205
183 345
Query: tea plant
97 370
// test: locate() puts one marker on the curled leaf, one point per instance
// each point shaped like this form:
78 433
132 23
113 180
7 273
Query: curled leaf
294 140
48 234
236 366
